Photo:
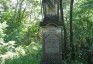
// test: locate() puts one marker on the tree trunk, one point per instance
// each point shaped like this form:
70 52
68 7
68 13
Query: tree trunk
65 32
71 31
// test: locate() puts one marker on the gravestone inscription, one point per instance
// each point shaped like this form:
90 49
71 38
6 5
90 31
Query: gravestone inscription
52 45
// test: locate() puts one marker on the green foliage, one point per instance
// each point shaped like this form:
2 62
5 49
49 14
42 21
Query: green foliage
20 20
4 47
83 32
22 28
2 28
32 48
32 55
9 54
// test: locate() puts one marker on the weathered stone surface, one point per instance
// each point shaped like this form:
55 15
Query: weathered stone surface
51 40
52 45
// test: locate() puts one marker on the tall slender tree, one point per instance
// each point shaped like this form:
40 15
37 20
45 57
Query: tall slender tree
64 28
71 30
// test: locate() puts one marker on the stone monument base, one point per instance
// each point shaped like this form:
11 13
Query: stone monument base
52 45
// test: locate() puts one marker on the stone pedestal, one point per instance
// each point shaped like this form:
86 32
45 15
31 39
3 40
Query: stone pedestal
52 45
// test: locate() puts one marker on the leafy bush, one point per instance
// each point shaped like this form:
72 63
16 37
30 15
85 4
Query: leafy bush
27 55
12 54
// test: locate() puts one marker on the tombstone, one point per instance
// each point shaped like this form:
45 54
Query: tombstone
51 33
52 45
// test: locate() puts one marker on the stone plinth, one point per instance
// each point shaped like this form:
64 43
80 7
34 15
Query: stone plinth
52 45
